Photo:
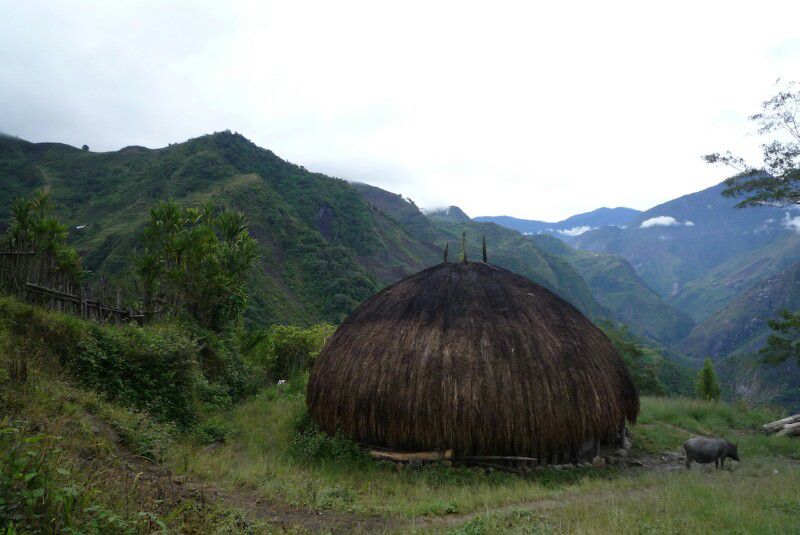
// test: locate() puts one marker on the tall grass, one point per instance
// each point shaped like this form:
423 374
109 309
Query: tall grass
665 424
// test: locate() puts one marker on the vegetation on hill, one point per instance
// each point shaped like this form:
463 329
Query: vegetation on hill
654 372
197 260
323 247
506 248
311 229
616 286
679 241
34 228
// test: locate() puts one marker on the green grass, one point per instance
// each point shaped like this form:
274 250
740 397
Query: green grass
258 457
93 445
753 500
665 424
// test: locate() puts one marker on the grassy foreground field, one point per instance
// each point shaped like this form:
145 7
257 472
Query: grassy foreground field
759 495
72 461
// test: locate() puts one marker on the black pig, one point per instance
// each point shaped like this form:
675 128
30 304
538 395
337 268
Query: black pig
705 450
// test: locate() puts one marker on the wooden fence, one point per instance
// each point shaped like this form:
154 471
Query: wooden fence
34 277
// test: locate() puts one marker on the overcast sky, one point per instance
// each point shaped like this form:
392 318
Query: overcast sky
531 109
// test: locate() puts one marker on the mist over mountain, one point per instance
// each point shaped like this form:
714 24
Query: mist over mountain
570 227
450 213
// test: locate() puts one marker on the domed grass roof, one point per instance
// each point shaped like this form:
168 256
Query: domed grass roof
471 357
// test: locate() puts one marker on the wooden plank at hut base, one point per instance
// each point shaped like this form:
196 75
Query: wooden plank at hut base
404 457
774 427
494 458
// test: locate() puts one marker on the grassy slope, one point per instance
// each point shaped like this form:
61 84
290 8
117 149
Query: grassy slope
615 284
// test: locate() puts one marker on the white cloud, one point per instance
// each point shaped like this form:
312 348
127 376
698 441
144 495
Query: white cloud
660 221
447 117
575 231
792 223
664 221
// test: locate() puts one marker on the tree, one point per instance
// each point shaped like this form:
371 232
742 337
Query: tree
198 260
33 228
776 181
784 342
85 148
707 386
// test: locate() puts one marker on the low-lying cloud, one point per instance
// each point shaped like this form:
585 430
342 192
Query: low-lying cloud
792 223
665 221
575 231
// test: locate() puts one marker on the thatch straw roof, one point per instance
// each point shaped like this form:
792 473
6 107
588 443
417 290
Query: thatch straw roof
471 357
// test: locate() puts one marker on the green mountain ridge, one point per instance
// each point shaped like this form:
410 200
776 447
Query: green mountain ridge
679 241
741 326
506 248
615 284
324 247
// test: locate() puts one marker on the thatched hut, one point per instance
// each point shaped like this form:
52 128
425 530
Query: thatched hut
477 359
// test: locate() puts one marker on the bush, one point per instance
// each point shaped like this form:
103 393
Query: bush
38 495
211 431
310 444
286 351
707 386
151 369
166 369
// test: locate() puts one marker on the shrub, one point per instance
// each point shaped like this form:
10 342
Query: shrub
285 351
151 369
310 444
165 369
707 386
38 495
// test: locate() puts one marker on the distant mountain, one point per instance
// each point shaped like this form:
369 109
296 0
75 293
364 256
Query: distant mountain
572 226
615 285
506 248
680 241
717 287
742 324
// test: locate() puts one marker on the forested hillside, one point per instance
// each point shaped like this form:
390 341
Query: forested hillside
615 284
324 247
